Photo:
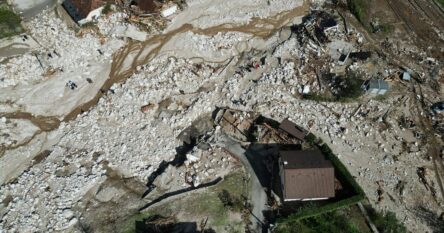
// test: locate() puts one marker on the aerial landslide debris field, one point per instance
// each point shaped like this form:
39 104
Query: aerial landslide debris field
63 151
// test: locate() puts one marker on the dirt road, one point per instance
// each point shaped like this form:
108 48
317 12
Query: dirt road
259 197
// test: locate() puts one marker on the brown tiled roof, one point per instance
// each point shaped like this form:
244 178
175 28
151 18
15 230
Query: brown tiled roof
293 129
304 159
307 175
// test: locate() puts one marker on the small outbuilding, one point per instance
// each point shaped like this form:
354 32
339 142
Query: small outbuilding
406 76
293 129
360 56
376 86
438 107
306 176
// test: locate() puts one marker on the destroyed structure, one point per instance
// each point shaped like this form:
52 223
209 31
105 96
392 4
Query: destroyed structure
378 86
62 160
83 11
293 129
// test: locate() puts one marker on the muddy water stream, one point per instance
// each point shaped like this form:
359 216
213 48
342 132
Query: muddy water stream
135 54
44 123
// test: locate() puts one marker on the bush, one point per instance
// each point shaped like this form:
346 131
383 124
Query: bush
9 22
386 223
225 198
350 89
310 138
332 222
106 9
357 8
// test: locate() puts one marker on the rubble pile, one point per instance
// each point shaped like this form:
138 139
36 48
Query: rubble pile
130 141
239 12
60 49
9 71
215 43
202 166
135 125
11 135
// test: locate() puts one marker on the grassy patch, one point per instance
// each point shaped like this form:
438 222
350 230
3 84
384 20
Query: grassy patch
92 25
386 222
388 28
202 204
441 2
381 98
335 222
348 90
357 8
9 22
129 226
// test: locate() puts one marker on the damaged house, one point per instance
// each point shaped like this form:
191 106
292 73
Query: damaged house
293 129
306 176
83 11
376 86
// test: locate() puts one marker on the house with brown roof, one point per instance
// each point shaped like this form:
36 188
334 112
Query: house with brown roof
293 129
306 175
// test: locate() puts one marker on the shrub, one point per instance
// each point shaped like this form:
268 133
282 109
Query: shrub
310 138
9 22
106 9
346 88
225 198
357 8
386 223
90 25
332 222
351 88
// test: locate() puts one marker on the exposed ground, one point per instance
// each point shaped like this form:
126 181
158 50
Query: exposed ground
61 149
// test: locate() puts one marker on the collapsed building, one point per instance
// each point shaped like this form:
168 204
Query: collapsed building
83 11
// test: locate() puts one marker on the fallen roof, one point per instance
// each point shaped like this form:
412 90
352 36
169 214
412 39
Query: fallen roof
360 55
146 5
293 129
378 84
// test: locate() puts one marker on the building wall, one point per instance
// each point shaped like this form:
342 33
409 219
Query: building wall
282 175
